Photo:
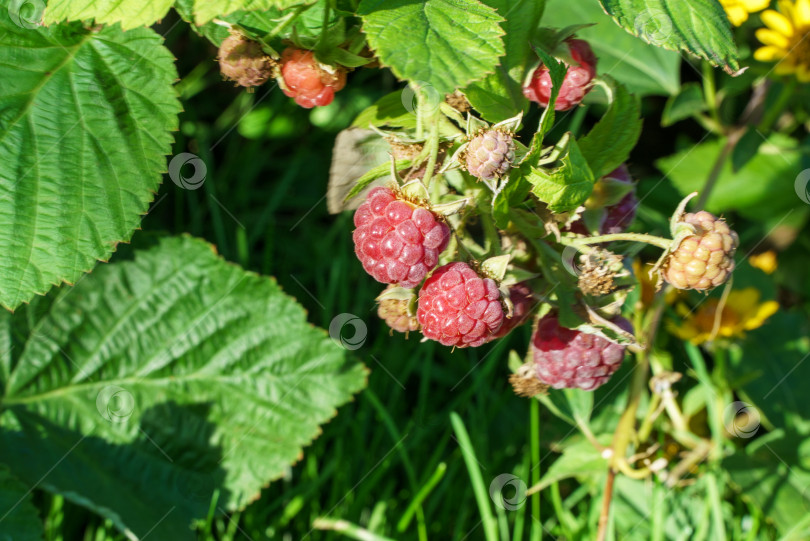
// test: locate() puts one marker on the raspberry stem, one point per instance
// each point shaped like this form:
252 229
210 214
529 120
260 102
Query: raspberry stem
433 150
633 237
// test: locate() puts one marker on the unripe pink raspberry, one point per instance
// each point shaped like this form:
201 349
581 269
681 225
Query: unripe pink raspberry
490 154
396 314
459 308
397 241
567 358
306 81
522 304
243 61
703 260
617 218
577 81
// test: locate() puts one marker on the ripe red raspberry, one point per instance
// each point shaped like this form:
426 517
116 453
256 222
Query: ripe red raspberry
567 358
522 304
617 218
243 61
307 81
398 242
459 308
397 315
577 81
490 154
703 260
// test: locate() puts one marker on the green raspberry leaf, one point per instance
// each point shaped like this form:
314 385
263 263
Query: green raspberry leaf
445 43
610 141
566 187
176 370
687 102
17 510
85 124
699 27
130 13
500 94
205 10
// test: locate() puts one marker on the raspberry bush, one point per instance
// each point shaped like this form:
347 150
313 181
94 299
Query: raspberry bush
565 217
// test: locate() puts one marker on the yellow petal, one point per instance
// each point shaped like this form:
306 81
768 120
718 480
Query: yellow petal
803 74
801 13
769 54
765 310
769 37
786 8
736 15
755 5
777 21
766 261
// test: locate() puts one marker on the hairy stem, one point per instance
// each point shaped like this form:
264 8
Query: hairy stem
626 427
605 513
733 138
710 92
632 237
433 149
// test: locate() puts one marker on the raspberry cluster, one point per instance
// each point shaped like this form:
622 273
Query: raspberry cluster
577 80
304 79
567 358
396 240
703 260
457 307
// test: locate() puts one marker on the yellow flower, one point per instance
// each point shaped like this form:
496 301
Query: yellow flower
743 312
738 10
766 261
786 39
